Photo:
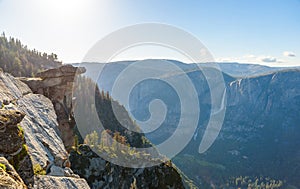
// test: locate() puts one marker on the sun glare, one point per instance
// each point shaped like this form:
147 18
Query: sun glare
63 9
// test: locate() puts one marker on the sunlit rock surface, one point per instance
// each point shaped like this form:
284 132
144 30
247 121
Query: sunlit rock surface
37 133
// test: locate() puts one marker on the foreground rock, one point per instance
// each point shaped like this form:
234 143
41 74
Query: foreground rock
10 135
13 145
39 124
9 178
46 182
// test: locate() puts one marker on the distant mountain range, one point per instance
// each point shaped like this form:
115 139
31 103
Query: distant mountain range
250 70
259 140
234 69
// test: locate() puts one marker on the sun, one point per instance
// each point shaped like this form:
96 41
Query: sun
62 9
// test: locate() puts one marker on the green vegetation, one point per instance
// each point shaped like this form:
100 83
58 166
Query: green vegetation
17 59
2 166
188 159
208 174
38 170
15 161
92 139
117 146
24 152
21 132
104 111
112 139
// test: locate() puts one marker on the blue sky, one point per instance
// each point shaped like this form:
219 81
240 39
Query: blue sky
258 31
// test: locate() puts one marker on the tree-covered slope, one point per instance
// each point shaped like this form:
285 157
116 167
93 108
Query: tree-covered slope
90 160
17 59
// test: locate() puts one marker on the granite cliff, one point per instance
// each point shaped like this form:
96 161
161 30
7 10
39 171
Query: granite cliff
56 84
37 134
30 140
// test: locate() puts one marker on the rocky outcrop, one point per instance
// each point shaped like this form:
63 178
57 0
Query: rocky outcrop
102 174
9 178
39 124
46 182
57 85
11 137
40 128
13 145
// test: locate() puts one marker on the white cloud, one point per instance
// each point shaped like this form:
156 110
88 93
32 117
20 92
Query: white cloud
289 54
227 59
249 56
280 61
268 59
243 59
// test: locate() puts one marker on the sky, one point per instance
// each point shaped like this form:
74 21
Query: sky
248 31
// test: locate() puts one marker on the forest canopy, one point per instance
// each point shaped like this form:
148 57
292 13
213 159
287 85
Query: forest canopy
17 59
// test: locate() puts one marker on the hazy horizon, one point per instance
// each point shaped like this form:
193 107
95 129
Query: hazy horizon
245 63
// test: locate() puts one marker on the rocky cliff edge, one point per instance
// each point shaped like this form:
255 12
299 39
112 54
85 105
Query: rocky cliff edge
30 140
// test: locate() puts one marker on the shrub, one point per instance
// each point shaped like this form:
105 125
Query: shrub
38 170
2 166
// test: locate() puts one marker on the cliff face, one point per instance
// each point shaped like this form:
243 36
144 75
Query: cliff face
39 124
56 84
35 141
